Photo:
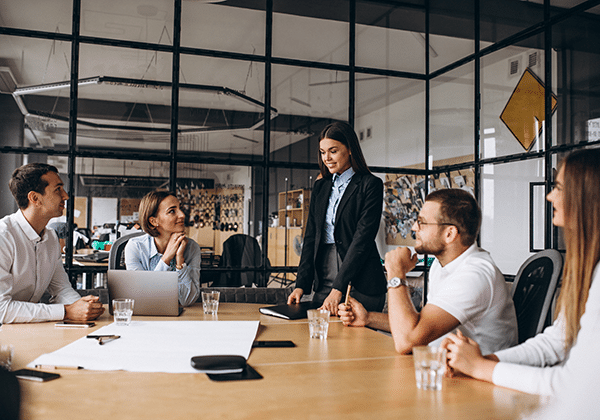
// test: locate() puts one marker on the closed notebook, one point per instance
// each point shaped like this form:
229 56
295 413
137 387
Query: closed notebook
294 311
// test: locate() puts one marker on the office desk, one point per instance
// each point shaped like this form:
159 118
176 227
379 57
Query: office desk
355 373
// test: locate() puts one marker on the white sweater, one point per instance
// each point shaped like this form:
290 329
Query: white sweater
540 365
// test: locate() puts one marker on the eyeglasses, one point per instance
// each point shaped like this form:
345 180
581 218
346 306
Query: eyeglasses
421 223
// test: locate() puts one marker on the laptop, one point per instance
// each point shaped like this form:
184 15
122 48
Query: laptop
155 293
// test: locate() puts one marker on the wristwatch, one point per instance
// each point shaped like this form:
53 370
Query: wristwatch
396 282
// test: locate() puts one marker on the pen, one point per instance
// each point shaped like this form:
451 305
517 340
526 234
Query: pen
51 367
348 294
107 338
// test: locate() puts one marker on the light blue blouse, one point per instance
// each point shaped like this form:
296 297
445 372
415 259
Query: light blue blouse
338 187
141 254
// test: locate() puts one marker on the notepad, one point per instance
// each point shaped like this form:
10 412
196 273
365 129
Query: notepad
294 311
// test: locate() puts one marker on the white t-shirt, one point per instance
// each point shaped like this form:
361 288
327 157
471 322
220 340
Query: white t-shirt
473 290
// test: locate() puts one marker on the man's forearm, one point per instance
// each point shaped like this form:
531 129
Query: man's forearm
403 318
378 321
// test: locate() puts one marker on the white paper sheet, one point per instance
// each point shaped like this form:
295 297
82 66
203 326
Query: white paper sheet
156 346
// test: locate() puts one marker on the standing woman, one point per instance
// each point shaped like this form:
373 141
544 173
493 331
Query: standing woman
339 241
165 246
560 355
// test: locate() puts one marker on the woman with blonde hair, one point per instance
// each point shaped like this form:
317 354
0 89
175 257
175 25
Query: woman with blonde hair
165 246
561 353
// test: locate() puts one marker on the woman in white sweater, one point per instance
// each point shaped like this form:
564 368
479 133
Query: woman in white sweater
561 353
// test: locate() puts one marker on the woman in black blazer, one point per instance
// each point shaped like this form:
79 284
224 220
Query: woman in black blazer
339 241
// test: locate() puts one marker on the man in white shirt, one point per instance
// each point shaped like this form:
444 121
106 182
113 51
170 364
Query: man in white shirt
30 256
466 290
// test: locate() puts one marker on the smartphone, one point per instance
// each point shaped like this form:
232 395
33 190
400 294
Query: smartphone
74 324
274 343
35 375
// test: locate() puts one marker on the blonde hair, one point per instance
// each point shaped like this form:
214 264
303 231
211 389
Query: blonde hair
581 201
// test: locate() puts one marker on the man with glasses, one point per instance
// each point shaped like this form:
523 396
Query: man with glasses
466 290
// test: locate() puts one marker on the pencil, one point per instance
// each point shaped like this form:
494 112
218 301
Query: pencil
348 294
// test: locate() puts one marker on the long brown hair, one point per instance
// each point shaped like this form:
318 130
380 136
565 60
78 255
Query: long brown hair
581 201
345 134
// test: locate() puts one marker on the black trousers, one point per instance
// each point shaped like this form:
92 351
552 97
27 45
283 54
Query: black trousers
327 264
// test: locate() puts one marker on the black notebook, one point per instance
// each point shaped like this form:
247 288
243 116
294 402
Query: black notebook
294 311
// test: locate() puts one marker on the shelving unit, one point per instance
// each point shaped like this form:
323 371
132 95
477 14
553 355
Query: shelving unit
292 214
293 208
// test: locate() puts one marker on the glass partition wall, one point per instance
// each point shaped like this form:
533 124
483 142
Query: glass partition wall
222 102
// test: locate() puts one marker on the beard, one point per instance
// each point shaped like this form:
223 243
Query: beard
431 248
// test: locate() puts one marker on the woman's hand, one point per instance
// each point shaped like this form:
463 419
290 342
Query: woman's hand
295 296
332 301
179 259
465 356
172 247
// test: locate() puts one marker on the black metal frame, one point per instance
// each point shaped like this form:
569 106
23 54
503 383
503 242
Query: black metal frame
266 163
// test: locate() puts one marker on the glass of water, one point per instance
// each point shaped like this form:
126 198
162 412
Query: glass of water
122 311
210 302
318 323
430 365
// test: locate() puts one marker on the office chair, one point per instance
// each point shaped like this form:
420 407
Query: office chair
266 295
117 254
533 291
240 251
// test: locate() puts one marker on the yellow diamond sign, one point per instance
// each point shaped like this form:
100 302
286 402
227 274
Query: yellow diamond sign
524 111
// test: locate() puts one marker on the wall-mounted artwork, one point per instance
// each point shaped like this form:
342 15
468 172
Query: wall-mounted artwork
524 113
404 198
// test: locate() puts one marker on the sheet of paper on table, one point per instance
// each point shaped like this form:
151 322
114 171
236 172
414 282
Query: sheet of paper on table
156 346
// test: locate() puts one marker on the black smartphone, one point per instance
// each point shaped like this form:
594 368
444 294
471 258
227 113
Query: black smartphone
35 375
274 343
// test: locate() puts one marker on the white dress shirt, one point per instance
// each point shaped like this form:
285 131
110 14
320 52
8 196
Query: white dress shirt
30 264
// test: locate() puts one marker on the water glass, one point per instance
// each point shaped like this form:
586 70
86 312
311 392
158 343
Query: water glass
122 311
430 365
210 302
318 323
6 356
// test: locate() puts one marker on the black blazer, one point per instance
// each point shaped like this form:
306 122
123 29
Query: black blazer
356 223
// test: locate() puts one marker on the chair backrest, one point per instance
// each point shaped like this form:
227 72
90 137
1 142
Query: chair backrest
266 295
240 251
115 257
533 291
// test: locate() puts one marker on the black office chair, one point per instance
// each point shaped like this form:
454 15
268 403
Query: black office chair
240 251
533 291
265 295
116 258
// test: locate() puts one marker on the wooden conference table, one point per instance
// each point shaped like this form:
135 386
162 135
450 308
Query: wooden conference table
355 373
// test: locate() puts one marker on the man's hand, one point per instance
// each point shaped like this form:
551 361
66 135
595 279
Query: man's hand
399 262
353 314
85 309
295 296
332 301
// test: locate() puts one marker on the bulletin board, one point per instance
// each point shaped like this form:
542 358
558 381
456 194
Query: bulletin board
404 198
129 210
